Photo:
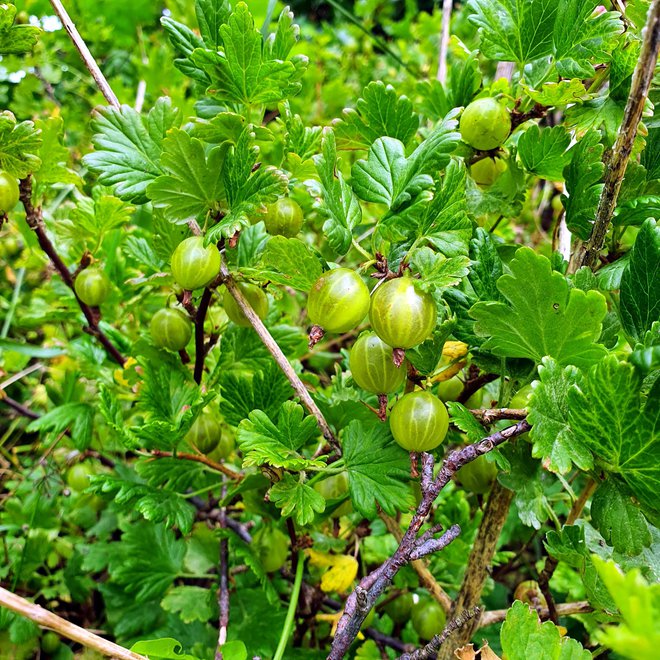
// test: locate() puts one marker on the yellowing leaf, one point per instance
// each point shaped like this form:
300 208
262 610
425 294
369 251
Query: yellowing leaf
119 374
342 570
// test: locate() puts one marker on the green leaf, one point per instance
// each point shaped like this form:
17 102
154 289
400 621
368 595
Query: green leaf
192 183
437 271
211 16
486 266
389 177
378 112
523 636
638 636
543 151
558 94
289 262
554 440
296 498
378 469
542 316
512 30
634 212
581 37
301 140
54 156
264 442
77 417
339 205
128 147
190 603
173 474
146 561
247 70
256 621
184 41
15 39
640 289
161 649
618 519
607 415
153 504
19 145
463 419
583 184
93 218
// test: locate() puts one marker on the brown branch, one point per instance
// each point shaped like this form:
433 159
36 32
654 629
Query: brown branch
430 651
476 573
551 563
278 355
586 254
200 317
488 416
563 609
475 383
223 589
199 458
43 617
34 219
18 407
87 57
412 546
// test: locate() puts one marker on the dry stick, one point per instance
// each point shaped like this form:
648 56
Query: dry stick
278 355
43 617
430 651
488 416
586 254
223 589
551 563
34 219
413 546
425 576
495 515
199 458
444 40
87 57
563 609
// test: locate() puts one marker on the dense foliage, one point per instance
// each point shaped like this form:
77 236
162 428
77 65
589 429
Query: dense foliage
181 477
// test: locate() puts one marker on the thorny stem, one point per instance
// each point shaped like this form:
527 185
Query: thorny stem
586 254
412 546
278 355
87 57
291 612
488 416
34 219
563 609
430 651
223 590
43 617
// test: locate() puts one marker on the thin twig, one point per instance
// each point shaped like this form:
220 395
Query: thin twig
430 651
447 6
474 384
278 355
223 589
412 546
200 318
87 57
199 458
34 219
586 254
21 374
18 407
563 609
43 617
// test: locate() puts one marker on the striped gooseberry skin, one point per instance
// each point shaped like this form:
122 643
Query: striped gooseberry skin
372 366
9 192
205 433
92 286
284 217
401 315
193 265
254 295
171 329
419 421
485 124
338 300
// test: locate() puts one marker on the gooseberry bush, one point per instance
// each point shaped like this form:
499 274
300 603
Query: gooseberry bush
329 330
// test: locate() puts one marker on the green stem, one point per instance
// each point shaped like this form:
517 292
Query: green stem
291 612
362 251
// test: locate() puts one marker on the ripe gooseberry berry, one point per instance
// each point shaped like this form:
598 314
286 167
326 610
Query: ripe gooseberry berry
372 366
419 421
9 192
205 433
77 477
50 642
272 547
401 315
193 265
254 295
224 448
334 488
338 300
486 170
478 475
449 390
485 124
399 609
284 217
170 328
92 286
428 618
